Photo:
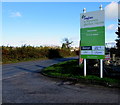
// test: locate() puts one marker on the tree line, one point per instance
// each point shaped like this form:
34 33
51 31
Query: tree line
116 50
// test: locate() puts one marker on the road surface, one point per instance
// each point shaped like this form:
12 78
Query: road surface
22 83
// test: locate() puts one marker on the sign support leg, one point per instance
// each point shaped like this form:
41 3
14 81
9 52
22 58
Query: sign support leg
79 54
84 67
101 68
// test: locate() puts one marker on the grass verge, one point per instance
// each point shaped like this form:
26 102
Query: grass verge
70 70
23 60
26 59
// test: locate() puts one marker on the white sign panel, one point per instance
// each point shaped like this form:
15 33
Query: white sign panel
92 19
93 50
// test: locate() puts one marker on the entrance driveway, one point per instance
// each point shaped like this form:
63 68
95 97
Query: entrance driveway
22 83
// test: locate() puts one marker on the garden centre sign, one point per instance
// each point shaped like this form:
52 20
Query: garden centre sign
92 35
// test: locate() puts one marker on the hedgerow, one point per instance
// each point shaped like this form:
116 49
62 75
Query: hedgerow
11 54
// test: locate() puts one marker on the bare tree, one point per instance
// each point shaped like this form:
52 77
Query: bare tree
66 43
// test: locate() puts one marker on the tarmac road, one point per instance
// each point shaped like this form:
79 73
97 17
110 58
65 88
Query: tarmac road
22 83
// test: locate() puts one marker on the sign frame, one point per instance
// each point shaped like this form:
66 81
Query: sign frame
92 35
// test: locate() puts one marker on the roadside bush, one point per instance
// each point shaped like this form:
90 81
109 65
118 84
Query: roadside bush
23 53
72 68
54 53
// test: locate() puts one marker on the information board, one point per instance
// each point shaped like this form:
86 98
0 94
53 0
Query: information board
92 34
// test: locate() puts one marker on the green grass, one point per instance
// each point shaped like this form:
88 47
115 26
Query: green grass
71 69
23 60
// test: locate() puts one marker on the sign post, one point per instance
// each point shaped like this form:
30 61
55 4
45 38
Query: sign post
84 11
84 67
101 68
92 36
101 60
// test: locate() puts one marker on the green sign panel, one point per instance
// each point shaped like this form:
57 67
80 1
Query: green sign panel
92 35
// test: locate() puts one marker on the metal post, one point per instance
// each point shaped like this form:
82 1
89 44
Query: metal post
101 60
101 68
84 10
101 7
79 53
84 67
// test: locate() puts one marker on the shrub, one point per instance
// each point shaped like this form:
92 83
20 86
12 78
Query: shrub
10 54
